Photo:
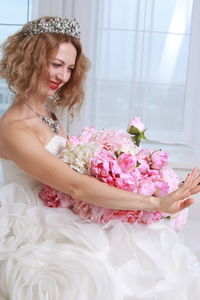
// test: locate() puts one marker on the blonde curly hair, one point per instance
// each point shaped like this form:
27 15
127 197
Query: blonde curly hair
25 67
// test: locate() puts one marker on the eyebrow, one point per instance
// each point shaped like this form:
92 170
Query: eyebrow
60 60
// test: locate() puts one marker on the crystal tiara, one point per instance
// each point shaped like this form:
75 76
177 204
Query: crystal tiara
64 25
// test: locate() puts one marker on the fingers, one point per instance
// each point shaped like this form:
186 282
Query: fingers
197 180
180 198
192 180
186 203
195 173
195 190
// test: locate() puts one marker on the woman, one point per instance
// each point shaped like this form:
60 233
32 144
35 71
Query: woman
50 253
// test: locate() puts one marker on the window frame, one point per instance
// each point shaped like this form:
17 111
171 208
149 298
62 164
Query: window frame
184 153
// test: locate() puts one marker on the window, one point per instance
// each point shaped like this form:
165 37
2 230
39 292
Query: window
144 59
13 15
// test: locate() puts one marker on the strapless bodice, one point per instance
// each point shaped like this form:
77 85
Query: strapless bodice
12 173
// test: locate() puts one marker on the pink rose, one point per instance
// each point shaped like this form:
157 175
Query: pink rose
54 198
99 168
168 175
162 188
127 162
143 168
136 122
86 135
81 208
143 158
178 221
111 139
130 216
159 159
150 217
103 165
146 187
126 182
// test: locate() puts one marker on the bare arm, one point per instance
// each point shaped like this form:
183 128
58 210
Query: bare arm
24 148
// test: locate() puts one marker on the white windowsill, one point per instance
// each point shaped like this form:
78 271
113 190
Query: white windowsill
180 156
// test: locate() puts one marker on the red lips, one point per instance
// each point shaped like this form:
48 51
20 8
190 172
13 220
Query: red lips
53 85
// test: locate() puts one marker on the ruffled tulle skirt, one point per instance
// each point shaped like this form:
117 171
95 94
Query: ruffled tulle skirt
51 254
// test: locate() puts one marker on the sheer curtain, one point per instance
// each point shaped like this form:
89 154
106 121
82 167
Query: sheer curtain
144 62
52 8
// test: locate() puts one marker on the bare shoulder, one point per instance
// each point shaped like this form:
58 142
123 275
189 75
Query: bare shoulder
20 144
13 133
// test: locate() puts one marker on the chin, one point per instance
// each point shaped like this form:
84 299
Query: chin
50 93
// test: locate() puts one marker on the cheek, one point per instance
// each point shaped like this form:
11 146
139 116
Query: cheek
52 72
69 76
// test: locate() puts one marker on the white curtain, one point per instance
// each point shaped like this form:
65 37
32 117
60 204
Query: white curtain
143 63
52 8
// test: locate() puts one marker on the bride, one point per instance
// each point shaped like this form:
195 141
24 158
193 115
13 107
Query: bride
52 254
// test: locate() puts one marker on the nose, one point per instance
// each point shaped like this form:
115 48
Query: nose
63 75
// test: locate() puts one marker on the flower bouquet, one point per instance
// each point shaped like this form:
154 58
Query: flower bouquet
116 158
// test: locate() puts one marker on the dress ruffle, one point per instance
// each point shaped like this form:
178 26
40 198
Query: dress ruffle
52 254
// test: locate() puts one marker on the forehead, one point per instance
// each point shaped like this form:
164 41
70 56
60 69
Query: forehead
66 52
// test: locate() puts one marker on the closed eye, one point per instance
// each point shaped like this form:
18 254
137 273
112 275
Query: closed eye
56 65
70 69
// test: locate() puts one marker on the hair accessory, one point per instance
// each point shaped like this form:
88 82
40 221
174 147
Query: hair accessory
64 25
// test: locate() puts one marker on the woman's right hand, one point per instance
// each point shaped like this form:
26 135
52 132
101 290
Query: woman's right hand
180 198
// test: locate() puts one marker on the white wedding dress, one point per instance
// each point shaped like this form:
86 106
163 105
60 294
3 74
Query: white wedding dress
51 254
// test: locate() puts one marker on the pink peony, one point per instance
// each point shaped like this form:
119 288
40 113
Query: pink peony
112 139
162 188
103 215
159 159
143 158
150 217
177 222
111 156
86 135
127 162
168 175
130 216
146 187
126 182
54 198
102 165
136 122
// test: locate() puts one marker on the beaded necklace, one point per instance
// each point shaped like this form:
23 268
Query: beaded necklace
53 122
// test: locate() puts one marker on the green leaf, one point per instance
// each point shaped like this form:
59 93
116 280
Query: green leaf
138 140
138 164
143 134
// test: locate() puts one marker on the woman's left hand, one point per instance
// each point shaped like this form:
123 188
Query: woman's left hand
180 198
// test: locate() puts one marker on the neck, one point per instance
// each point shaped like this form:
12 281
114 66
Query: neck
51 120
37 102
